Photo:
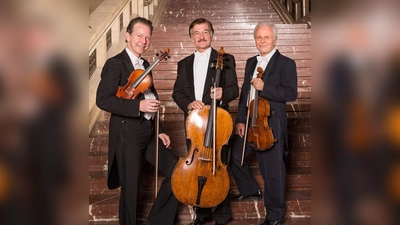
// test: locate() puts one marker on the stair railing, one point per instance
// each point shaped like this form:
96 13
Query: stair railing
293 11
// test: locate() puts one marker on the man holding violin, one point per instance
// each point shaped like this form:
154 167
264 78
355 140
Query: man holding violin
278 86
193 90
132 131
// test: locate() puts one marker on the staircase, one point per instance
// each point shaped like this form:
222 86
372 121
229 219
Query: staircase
233 22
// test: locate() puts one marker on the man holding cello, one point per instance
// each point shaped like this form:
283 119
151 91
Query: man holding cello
278 85
193 90
132 130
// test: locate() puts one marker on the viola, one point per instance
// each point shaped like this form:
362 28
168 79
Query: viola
139 80
260 135
200 178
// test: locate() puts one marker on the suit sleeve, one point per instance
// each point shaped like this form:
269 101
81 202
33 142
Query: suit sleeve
179 94
230 85
106 98
281 85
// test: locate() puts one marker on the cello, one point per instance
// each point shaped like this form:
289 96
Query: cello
200 178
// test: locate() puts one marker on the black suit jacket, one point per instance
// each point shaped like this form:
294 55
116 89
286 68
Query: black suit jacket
184 94
116 72
280 86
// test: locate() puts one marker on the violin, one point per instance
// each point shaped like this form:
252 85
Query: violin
260 135
200 178
139 81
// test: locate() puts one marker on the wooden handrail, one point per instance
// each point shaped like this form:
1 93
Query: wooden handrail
293 11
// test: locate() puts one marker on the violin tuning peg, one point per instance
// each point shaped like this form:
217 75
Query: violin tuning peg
169 56
157 54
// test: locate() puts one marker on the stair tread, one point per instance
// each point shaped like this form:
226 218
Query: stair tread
291 195
244 221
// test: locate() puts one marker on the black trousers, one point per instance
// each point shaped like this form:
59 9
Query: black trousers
137 140
221 213
273 171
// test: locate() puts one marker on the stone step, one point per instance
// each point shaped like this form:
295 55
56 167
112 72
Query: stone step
105 206
242 221
297 140
247 46
231 27
99 145
226 35
240 59
298 178
166 95
298 158
170 66
169 84
100 127
298 122
168 106
177 51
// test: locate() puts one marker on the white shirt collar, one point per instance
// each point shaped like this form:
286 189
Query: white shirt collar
269 55
205 53
133 57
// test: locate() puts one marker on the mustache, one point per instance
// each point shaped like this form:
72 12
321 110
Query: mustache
201 40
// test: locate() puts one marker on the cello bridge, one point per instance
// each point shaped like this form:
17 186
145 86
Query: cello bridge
205 159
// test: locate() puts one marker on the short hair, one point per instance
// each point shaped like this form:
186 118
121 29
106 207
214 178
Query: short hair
261 24
142 20
201 21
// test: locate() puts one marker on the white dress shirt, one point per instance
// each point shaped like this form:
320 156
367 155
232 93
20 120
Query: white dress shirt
262 62
200 67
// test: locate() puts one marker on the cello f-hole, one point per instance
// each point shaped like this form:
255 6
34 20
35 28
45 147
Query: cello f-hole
189 162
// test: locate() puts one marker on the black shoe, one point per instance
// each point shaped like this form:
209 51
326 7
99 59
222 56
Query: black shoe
202 221
269 222
220 223
256 194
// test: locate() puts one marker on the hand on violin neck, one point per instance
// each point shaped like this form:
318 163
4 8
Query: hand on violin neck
197 104
149 105
218 93
257 83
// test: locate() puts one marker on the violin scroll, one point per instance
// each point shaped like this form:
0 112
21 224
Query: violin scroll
164 55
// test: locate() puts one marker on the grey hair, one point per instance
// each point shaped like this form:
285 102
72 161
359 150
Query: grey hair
261 24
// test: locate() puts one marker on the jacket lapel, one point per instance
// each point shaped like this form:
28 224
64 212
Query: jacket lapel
250 72
270 64
210 77
127 62
190 75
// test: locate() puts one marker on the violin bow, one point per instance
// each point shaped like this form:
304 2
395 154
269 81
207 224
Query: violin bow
214 125
245 130
156 152
259 70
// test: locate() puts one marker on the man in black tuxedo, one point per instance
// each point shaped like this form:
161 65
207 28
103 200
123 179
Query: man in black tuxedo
278 85
192 90
132 131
